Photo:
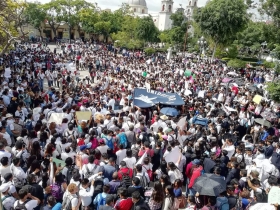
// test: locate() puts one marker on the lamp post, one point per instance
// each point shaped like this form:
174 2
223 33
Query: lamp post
202 42
263 46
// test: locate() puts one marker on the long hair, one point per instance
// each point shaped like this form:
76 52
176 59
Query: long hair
158 193
170 194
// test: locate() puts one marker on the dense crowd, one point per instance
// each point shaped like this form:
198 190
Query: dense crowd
117 158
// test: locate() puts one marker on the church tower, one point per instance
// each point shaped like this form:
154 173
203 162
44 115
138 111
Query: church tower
191 6
164 15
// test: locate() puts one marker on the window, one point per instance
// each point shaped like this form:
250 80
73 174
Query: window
195 3
163 8
134 10
190 3
143 11
169 8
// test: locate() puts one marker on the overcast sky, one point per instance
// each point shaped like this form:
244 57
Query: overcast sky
153 5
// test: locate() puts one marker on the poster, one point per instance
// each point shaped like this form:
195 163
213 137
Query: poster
274 195
57 162
83 115
257 99
140 161
7 73
173 156
57 118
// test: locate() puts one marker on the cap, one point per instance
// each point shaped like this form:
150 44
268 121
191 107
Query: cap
107 113
8 115
83 147
4 187
196 162
101 141
164 117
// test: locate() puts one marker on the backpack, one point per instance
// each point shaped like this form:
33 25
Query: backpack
94 143
122 139
143 180
81 142
88 173
66 204
223 204
101 201
69 174
28 125
23 163
145 137
261 197
110 143
126 180
149 172
21 206
56 191
2 200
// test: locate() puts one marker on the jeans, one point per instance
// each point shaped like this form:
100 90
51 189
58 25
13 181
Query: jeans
50 83
192 192
41 84
187 183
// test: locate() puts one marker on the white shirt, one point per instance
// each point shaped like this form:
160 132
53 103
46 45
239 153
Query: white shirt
4 153
86 195
7 137
18 172
9 201
121 154
103 149
130 162
30 205
230 149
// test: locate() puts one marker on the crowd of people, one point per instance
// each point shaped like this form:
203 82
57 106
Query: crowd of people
117 158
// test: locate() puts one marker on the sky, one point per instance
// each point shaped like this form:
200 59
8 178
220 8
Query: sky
154 6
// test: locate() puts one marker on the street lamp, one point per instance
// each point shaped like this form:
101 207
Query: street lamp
202 42
263 46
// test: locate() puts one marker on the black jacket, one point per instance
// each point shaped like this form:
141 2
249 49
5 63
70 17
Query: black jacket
132 189
140 205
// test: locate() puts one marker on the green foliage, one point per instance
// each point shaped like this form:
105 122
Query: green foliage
273 89
236 63
226 59
35 15
146 29
232 51
177 19
149 51
221 20
272 9
269 65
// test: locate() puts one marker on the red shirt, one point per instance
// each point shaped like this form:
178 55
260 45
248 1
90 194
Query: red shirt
123 204
124 171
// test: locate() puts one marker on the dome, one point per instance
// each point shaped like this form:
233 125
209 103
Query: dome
138 2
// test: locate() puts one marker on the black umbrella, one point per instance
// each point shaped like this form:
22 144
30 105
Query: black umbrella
210 184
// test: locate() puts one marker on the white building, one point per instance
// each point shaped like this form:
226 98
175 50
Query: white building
162 18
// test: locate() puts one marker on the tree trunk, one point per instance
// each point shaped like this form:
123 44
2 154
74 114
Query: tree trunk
79 31
214 51
40 31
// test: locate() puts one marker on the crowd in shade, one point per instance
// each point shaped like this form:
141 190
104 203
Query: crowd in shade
137 133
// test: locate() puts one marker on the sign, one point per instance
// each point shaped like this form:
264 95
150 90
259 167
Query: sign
173 156
140 161
57 118
144 98
83 115
274 195
257 99
57 162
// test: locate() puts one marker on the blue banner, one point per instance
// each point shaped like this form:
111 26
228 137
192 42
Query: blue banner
144 98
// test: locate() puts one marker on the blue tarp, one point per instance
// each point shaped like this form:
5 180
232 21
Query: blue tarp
200 121
144 98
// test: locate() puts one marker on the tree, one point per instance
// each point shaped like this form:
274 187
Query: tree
55 14
272 9
146 29
273 88
88 18
221 20
35 15
103 28
177 19
11 22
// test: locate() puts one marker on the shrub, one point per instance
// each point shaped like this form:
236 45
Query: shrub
149 51
236 63
269 65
